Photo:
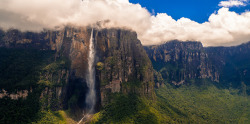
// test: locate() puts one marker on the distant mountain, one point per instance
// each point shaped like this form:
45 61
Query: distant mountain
181 61
178 62
232 63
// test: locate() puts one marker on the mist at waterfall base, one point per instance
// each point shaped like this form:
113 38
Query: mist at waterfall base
90 78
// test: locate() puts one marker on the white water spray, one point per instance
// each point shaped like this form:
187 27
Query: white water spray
91 95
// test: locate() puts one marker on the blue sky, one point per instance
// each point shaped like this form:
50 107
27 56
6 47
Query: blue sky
212 22
197 10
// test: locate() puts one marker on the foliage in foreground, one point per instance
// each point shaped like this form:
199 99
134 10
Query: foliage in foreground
205 103
21 69
126 109
51 117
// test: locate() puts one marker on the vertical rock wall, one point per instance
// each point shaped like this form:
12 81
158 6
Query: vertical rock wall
122 65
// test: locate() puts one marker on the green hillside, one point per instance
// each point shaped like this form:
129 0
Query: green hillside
205 103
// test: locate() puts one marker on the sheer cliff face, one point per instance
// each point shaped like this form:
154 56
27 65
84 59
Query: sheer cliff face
232 63
122 64
181 61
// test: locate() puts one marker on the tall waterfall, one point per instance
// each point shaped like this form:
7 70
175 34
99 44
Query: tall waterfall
91 95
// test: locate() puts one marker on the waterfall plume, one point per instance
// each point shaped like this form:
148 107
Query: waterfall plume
91 95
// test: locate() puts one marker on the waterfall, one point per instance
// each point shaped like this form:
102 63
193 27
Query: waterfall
91 95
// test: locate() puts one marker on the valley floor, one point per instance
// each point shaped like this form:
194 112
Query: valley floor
185 104
203 104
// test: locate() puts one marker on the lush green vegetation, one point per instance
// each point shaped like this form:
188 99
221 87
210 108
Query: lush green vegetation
24 69
51 117
126 109
20 68
193 103
19 111
204 103
53 72
199 101
20 71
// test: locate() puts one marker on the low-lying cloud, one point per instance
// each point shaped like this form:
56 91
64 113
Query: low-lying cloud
224 27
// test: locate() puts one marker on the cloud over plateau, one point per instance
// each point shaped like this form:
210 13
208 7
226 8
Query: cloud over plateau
223 28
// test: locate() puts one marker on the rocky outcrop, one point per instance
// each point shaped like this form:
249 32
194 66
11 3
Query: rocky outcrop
122 65
15 96
181 61
53 79
159 81
125 66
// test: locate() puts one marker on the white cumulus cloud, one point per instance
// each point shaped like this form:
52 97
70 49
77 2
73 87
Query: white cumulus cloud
233 3
223 28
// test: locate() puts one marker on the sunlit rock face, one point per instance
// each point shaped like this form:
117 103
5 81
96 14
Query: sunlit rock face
121 63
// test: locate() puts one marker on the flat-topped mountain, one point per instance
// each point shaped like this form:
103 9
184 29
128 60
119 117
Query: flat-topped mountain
121 65
179 62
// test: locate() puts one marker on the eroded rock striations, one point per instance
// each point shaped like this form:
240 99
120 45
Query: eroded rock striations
122 65
179 61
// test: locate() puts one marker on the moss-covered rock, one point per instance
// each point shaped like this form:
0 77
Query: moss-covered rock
126 66
121 63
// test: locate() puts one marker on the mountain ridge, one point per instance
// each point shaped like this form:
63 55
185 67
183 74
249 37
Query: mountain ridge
182 61
134 83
